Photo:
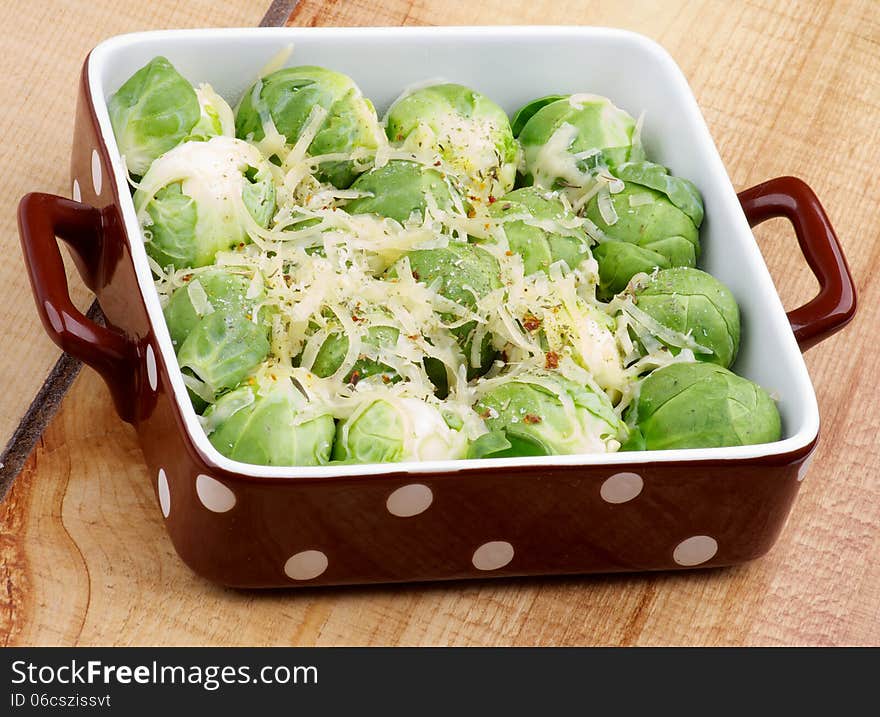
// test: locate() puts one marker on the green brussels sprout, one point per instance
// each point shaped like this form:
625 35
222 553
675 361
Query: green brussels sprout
220 351
620 261
467 129
538 244
693 302
332 353
571 327
565 140
588 332
200 198
683 193
213 290
253 426
524 113
287 98
658 215
542 414
153 111
216 116
701 405
460 272
401 189
647 219
393 429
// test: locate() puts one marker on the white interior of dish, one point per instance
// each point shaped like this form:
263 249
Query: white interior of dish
511 65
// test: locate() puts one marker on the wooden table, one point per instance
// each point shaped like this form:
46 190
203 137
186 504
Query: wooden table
787 88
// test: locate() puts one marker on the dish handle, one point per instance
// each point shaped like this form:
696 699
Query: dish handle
835 304
42 218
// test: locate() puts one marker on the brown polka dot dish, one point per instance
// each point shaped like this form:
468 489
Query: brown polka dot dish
250 525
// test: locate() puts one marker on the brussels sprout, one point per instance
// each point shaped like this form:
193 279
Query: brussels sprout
465 128
392 429
216 116
647 219
570 327
620 261
540 245
401 189
657 214
220 351
200 198
332 353
545 414
701 405
588 332
524 113
251 426
213 290
460 272
693 302
287 98
681 192
153 111
565 140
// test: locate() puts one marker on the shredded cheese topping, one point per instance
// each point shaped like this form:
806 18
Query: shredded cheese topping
319 273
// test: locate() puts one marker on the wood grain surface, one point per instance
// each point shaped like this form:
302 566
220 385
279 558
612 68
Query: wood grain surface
787 88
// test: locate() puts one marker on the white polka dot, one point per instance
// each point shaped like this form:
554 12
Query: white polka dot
76 194
409 500
151 367
306 565
695 550
164 493
493 555
97 179
214 495
621 487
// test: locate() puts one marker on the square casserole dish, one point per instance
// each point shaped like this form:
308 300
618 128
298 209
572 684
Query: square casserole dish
253 526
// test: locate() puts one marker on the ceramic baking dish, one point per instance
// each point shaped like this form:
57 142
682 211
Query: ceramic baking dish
254 526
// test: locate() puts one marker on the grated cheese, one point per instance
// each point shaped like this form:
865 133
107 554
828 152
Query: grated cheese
320 272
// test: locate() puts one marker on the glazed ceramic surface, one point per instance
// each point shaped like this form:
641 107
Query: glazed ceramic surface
250 525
